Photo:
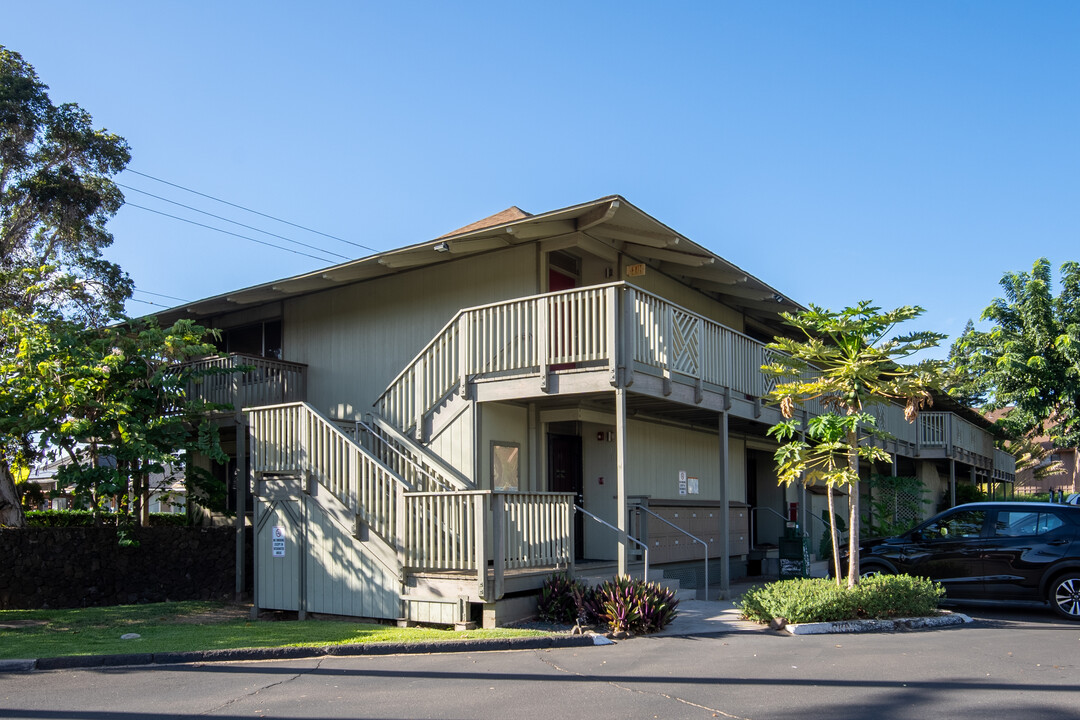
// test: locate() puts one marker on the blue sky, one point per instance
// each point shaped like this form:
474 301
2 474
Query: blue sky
908 153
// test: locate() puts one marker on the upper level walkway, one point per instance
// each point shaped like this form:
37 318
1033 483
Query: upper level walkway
591 340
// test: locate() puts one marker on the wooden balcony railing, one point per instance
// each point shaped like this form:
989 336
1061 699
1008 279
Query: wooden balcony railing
610 327
263 381
950 431
606 326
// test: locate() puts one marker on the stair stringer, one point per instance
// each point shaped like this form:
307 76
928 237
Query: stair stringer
452 435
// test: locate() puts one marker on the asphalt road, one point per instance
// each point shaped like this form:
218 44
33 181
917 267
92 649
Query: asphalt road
1009 664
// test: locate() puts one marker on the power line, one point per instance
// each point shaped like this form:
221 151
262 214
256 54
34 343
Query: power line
147 302
227 232
256 212
218 217
170 297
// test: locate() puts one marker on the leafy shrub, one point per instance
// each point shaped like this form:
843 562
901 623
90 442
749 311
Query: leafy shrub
893 596
85 518
820 600
636 606
563 599
798 600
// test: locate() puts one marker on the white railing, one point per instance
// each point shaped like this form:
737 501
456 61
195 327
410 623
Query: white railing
1004 466
969 436
525 336
536 528
568 330
443 530
671 339
451 530
934 429
262 382
948 430
419 468
439 530
297 439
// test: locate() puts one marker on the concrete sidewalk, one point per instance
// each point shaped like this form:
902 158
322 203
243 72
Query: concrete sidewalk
713 617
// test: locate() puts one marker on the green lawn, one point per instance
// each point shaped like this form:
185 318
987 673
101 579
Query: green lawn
185 626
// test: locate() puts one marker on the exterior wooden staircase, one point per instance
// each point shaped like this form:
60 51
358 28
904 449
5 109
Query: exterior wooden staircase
349 515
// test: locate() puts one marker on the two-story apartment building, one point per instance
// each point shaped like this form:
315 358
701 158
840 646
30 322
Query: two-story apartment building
431 429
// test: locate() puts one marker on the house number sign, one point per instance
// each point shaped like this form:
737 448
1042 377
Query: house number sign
277 541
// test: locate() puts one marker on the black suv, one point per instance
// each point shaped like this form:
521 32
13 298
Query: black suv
992 551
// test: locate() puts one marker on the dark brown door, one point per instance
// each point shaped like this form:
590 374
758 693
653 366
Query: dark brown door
564 475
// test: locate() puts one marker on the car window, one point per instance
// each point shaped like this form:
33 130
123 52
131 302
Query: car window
1016 523
1048 522
1024 523
963 524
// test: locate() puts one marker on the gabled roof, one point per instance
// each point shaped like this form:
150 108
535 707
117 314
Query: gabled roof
510 214
606 227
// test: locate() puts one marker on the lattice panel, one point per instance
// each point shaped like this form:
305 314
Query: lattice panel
768 381
686 343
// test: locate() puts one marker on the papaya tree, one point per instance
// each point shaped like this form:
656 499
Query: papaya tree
847 362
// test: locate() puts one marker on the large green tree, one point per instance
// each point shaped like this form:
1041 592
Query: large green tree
845 361
1029 359
56 196
109 401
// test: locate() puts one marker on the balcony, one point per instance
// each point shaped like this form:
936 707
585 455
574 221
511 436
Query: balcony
591 339
583 340
262 381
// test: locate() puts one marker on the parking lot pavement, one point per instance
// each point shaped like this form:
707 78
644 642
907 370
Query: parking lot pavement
1008 663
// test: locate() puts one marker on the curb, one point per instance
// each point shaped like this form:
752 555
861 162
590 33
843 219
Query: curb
863 626
291 653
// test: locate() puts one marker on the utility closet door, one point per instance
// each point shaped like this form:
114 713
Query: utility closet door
279 532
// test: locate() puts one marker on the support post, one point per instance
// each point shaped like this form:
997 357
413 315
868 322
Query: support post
400 521
302 550
725 530
498 542
463 354
241 502
482 554
629 339
611 338
952 482
669 348
543 333
620 476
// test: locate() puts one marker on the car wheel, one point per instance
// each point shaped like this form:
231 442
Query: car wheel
866 571
1064 596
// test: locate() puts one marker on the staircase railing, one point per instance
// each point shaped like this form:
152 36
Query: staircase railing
296 439
429 530
418 466
604 326
695 538
526 335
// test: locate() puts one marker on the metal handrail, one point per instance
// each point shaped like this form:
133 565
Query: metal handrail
376 434
387 446
644 547
761 507
692 537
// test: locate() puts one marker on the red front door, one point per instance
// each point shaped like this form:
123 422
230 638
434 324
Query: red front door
558 281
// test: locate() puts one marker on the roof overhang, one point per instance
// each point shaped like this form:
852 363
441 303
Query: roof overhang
609 227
